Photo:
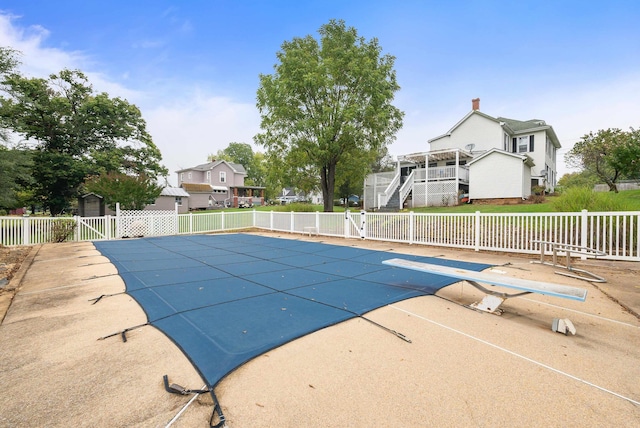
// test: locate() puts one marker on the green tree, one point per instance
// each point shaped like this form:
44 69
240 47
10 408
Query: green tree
15 176
605 154
132 192
578 179
77 133
327 103
626 154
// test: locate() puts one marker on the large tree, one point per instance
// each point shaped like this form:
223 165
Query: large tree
610 154
327 103
76 133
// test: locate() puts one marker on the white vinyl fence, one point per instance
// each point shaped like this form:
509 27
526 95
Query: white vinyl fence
617 234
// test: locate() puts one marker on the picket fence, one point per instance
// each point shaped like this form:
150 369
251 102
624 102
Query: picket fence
617 234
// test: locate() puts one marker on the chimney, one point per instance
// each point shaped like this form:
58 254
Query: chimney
475 103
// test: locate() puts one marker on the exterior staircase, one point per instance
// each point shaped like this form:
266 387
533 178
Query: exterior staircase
393 205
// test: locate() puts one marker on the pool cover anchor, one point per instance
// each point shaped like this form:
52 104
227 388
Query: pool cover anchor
123 333
180 390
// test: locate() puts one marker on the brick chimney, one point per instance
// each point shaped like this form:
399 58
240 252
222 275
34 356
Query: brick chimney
475 103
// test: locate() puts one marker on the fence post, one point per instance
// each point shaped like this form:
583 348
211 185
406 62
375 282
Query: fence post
271 220
107 226
25 231
292 223
318 222
583 232
347 229
477 231
118 225
411 228
76 227
222 220
363 224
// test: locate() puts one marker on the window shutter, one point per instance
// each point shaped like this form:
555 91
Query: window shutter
531 143
515 145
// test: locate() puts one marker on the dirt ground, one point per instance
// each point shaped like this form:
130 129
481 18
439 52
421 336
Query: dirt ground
462 367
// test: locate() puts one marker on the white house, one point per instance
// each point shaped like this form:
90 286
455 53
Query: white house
482 156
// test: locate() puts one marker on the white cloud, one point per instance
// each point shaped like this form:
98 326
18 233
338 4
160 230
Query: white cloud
188 130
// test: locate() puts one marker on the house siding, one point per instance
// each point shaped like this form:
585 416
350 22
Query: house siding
492 177
484 133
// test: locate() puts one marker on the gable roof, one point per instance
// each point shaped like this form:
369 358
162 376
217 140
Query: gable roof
236 167
174 191
512 126
495 152
461 121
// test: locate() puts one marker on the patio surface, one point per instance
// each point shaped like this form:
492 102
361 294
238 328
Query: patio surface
462 367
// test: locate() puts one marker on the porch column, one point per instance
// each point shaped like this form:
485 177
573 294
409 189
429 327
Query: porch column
426 179
457 173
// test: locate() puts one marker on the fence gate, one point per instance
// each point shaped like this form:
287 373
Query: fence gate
135 224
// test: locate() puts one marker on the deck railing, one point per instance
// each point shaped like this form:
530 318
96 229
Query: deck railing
617 234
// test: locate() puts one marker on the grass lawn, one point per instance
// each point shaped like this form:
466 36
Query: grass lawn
630 199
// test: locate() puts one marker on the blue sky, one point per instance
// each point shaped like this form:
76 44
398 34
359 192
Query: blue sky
193 66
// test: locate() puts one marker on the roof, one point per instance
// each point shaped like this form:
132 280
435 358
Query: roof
174 191
512 126
236 167
523 157
197 187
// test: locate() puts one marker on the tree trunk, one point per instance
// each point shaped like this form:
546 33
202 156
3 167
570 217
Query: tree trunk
328 179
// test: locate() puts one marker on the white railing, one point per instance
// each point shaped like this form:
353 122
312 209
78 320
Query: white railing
406 188
617 234
384 197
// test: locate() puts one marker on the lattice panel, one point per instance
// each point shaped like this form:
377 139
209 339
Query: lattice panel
147 223
443 193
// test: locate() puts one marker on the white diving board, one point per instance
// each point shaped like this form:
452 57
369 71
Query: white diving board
492 301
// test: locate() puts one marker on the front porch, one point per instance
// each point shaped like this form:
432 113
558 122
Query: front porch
420 179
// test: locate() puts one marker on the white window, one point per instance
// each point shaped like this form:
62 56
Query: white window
223 177
181 177
505 146
179 200
208 176
523 144
189 176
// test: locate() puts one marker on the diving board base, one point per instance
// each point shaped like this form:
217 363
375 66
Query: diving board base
489 303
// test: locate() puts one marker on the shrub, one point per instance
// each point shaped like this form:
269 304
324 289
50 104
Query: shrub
536 199
62 230
538 190
574 199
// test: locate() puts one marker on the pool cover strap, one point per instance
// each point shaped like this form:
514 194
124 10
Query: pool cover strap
180 390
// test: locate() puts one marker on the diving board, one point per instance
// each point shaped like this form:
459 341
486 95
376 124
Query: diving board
492 301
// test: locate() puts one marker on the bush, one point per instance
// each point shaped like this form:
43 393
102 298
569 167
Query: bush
538 190
62 230
536 199
574 199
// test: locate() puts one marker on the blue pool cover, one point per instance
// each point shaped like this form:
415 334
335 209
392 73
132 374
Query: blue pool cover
225 299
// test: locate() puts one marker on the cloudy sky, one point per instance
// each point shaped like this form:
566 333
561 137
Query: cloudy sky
193 66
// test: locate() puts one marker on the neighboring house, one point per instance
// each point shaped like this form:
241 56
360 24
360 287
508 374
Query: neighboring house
290 195
218 184
482 156
169 197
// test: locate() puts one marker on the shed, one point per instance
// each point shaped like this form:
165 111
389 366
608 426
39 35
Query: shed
91 205
497 174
